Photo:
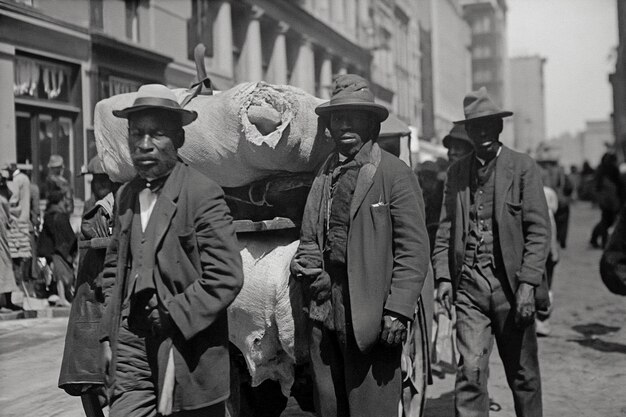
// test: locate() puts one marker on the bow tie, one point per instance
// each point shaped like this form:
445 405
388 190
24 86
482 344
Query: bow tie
154 185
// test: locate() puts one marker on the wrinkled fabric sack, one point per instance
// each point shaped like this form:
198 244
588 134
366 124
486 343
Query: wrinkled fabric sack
266 322
223 143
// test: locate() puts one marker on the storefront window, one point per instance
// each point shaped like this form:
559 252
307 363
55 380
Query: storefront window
40 79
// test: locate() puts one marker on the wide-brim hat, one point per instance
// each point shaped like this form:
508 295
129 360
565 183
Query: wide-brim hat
478 105
56 161
157 96
352 92
457 132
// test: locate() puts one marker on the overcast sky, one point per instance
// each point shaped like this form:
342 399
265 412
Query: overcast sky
577 37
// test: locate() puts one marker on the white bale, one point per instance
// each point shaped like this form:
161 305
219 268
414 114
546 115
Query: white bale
222 143
266 320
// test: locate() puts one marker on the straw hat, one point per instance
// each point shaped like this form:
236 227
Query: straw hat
157 96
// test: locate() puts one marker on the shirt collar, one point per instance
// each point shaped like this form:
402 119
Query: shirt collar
482 161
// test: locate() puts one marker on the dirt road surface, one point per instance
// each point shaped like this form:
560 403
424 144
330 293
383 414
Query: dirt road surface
583 361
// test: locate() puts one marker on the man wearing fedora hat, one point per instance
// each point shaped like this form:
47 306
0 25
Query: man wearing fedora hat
172 268
489 257
457 143
362 259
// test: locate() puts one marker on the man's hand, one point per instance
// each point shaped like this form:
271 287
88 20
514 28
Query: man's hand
524 305
107 357
394 330
162 323
444 295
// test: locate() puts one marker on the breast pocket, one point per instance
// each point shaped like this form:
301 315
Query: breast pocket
380 214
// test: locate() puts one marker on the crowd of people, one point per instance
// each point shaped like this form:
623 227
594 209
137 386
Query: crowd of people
151 303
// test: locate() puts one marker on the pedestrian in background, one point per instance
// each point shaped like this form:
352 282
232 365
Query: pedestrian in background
171 270
609 195
7 277
21 228
458 143
489 257
58 244
56 181
82 373
552 199
362 259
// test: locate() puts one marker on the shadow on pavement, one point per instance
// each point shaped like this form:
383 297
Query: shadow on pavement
590 331
601 345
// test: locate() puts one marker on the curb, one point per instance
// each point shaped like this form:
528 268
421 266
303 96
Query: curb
51 312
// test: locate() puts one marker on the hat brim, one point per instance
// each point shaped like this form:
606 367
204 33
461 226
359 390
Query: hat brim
446 140
187 116
500 115
381 112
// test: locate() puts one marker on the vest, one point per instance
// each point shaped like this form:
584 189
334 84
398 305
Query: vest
141 277
479 247
342 190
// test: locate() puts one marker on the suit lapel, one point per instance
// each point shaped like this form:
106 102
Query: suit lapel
165 206
366 178
504 179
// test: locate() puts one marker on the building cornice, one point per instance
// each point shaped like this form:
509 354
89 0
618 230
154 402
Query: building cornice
314 29
35 17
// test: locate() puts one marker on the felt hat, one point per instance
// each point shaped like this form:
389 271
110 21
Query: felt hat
157 96
352 92
56 161
478 105
457 132
94 167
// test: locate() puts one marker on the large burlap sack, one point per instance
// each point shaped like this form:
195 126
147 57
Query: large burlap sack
222 143
266 321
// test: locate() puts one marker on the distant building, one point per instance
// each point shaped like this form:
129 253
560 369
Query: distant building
618 81
528 102
588 145
446 65
490 63
59 58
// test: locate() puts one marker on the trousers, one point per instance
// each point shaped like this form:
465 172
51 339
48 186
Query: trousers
485 309
349 382
136 385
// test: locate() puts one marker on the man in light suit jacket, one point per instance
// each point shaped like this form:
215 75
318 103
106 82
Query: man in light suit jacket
170 272
363 258
489 257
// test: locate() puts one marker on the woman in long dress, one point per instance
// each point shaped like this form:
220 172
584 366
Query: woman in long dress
7 278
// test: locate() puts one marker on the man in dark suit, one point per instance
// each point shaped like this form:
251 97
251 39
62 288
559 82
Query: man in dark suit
362 259
489 257
172 268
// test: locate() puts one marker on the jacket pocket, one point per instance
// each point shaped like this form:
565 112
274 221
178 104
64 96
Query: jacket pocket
514 208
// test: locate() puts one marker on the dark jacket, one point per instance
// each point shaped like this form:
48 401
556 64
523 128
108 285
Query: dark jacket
82 362
521 215
387 250
57 236
197 273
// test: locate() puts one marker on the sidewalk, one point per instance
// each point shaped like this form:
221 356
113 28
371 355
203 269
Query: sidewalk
33 308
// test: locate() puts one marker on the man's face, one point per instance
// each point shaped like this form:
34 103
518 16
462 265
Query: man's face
458 148
485 133
350 129
56 171
151 138
101 185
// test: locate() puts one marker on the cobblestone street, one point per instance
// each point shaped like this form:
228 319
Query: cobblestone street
583 360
